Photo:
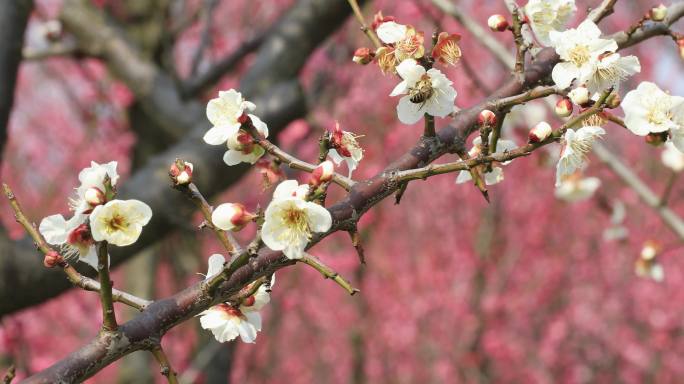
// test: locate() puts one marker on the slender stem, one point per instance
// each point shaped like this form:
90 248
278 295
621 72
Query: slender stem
521 47
164 365
9 375
429 126
359 16
224 237
328 273
668 188
108 315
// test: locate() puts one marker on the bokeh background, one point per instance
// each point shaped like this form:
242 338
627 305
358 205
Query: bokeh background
527 289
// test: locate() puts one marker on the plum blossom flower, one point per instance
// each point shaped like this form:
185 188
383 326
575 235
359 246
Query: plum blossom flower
576 144
345 148
610 70
72 236
545 16
426 92
579 49
650 110
290 220
447 51
390 32
119 222
575 188
226 321
223 113
496 175
672 157
92 179
241 145
407 42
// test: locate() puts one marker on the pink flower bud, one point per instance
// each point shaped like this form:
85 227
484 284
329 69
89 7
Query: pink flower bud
181 175
248 302
658 13
497 23
52 259
564 107
231 216
94 196
323 173
579 96
486 118
540 132
363 56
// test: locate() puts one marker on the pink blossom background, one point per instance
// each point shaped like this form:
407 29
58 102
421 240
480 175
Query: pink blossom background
525 289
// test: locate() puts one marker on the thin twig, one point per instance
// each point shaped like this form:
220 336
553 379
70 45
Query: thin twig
108 315
364 28
9 375
164 365
328 273
668 188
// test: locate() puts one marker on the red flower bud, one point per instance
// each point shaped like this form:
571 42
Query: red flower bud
181 172
323 173
486 118
363 56
497 23
564 107
52 259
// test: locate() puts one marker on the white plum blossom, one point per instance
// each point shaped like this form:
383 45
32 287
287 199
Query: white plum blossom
225 321
290 220
610 70
93 177
426 92
345 148
545 16
231 216
391 32
672 157
72 236
578 49
496 175
576 145
223 113
241 145
119 222
648 109
574 189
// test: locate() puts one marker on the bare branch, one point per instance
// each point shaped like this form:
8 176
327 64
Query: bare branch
164 364
328 273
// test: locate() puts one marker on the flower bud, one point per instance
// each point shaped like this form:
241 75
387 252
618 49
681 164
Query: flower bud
53 30
497 23
231 217
52 259
486 118
181 172
540 132
579 96
658 13
614 100
323 173
249 301
564 107
650 250
363 56
680 43
94 196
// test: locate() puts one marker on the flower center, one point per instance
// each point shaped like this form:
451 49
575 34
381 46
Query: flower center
230 310
579 55
422 91
116 223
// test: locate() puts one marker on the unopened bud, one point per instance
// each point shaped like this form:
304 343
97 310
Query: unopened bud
486 118
658 13
231 216
650 250
564 107
540 132
94 196
614 100
497 23
52 259
181 172
680 43
363 56
579 96
656 139
323 173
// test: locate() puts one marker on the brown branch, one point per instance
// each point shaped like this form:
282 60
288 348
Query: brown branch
364 27
328 273
9 375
